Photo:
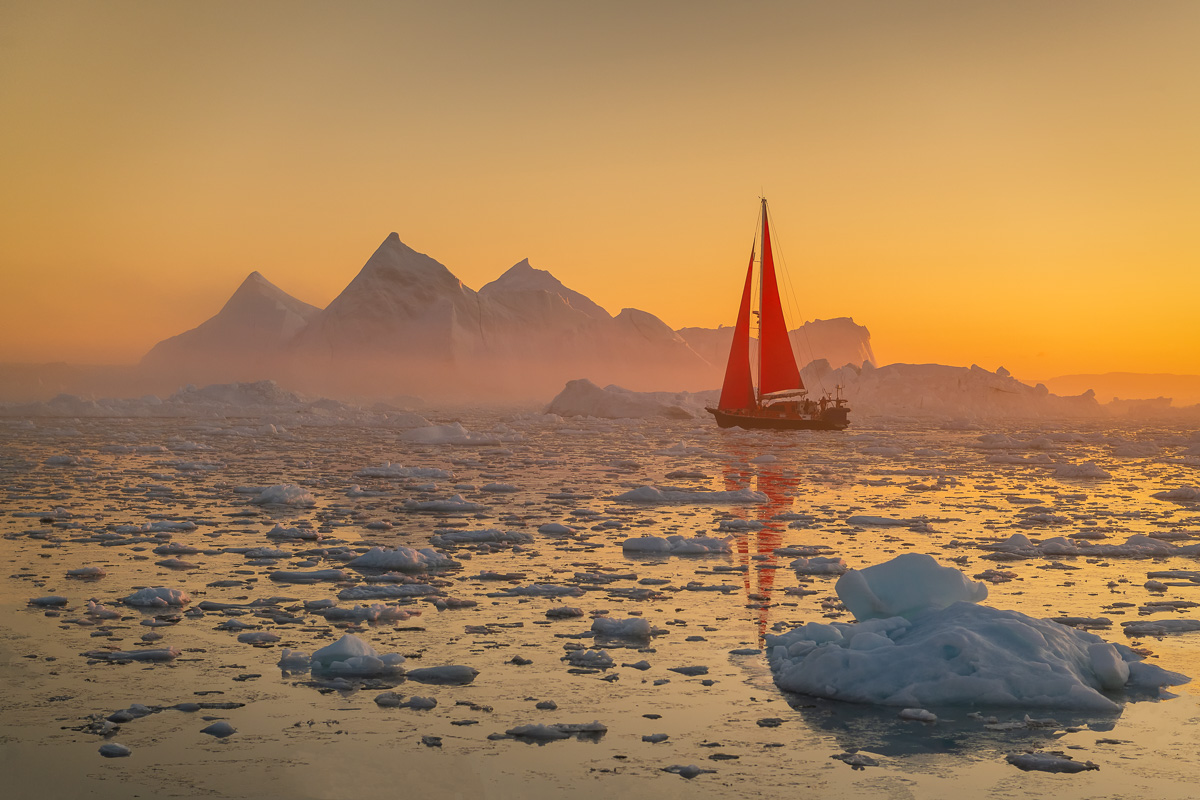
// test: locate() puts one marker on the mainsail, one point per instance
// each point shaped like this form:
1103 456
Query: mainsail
777 363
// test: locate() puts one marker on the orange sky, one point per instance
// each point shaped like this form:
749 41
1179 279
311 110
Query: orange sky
1011 183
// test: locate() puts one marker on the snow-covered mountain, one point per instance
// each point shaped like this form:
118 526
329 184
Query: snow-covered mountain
402 303
244 340
407 324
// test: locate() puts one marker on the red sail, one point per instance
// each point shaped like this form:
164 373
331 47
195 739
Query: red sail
738 389
778 363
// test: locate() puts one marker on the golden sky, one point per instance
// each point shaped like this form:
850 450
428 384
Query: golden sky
1004 183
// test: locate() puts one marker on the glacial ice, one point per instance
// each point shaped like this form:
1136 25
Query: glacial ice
402 558
676 545
350 656
157 597
922 640
285 494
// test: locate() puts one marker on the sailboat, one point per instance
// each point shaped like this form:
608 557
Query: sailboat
780 400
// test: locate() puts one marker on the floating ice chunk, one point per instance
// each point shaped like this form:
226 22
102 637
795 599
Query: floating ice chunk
1184 494
819 565
1045 762
159 597
311 576
421 703
389 470
258 637
556 529
351 656
219 729
740 525
163 654
294 661
449 674
676 545
631 628
868 521
49 601
546 733
963 654
1136 546
235 625
672 495
558 731
564 612
280 532
285 494
1160 627
98 611
906 586
454 504
488 536
655 738
690 771
690 671
176 563
176 549
378 612
918 715
388 592
114 750
1088 469
596 659
394 700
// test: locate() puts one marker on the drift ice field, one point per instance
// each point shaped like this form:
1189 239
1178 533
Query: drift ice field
340 603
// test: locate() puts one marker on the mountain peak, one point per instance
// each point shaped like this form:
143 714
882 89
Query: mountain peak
524 277
258 292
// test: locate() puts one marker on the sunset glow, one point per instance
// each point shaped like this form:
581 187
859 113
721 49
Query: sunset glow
1009 184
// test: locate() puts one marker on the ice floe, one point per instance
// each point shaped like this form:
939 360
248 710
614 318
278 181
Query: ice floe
676 545
672 495
922 640
402 558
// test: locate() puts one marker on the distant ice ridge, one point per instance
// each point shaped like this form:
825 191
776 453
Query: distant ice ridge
582 398
921 639
929 391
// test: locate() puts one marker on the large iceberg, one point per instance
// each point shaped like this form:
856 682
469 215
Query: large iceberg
921 639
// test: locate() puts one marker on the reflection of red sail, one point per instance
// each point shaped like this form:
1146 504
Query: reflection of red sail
776 362
759 578
738 389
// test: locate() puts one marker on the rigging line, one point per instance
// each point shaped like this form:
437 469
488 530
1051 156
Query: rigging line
793 303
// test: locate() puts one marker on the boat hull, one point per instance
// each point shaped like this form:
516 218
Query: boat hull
832 419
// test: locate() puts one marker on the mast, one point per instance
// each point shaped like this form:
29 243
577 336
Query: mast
762 254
